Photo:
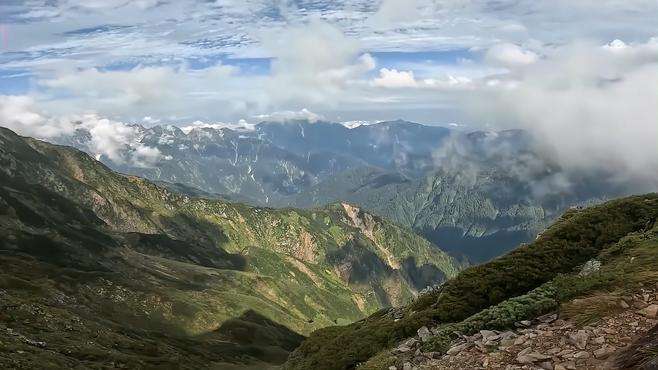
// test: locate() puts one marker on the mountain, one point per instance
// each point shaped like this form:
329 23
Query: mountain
477 194
103 269
582 291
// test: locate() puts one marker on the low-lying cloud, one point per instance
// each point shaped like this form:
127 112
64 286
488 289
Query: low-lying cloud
595 106
116 141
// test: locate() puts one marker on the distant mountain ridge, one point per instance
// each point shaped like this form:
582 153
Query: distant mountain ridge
478 193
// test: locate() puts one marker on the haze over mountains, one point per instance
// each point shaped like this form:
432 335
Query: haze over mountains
475 193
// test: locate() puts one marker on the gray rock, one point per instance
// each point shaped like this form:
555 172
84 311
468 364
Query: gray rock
486 334
458 348
547 319
531 357
547 365
581 354
590 267
424 334
604 352
579 339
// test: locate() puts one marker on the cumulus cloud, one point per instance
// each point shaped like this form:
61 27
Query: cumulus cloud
393 78
314 64
510 56
114 140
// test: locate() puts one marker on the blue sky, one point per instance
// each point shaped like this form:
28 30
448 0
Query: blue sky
227 60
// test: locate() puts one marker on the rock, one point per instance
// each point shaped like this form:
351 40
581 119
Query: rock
35 343
402 349
406 366
554 351
604 352
579 339
598 340
559 367
486 334
547 365
458 348
392 368
520 340
581 354
424 334
590 267
565 353
547 319
531 357
650 311
569 365
524 323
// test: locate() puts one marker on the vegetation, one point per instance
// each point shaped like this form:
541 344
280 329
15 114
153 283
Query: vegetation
529 281
140 262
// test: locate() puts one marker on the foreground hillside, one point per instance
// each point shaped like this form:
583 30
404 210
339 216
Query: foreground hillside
101 269
581 267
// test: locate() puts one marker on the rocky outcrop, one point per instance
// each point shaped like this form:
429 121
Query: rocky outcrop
548 342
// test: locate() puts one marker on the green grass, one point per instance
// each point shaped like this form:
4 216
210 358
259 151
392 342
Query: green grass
526 282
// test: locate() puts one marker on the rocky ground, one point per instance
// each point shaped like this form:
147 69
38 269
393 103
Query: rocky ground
548 342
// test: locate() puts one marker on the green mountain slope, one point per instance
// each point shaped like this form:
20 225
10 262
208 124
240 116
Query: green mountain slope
165 276
525 283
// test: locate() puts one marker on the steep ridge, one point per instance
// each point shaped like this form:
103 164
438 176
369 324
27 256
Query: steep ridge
530 281
193 277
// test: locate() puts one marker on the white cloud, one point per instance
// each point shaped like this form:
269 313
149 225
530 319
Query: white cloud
285 116
392 78
241 125
510 55
314 64
391 12
115 140
596 106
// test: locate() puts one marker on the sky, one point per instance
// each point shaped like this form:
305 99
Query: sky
583 74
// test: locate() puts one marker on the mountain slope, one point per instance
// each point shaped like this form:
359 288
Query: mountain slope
527 282
477 194
128 252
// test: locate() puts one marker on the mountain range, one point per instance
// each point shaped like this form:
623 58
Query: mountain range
106 270
477 194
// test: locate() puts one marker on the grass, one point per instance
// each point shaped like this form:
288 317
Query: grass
524 283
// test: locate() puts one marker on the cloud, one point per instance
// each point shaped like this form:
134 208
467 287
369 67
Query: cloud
115 140
392 78
314 64
391 12
286 116
594 105
19 113
241 125
510 56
